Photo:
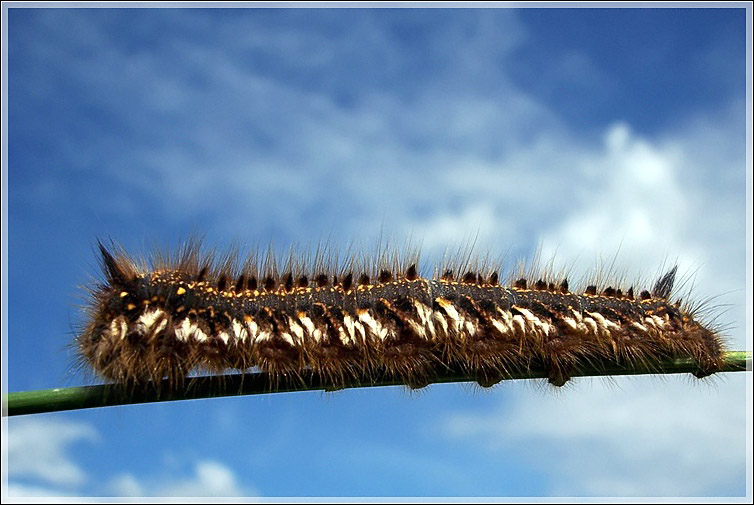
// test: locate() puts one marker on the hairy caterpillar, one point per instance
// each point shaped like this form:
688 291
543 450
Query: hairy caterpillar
377 318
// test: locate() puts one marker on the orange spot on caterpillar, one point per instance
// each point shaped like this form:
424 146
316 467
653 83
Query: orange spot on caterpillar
443 302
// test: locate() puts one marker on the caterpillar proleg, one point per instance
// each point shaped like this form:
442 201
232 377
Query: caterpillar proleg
189 313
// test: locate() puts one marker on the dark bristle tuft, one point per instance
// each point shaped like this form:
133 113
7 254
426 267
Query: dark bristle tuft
644 295
447 275
302 282
551 286
469 278
202 273
564 286
288 282
609 291
363 280
591 290
411 273
347 282
251 284
520 284
494 279
619 293
115 274
269 284
321 280
630 293
664 285
385 276
540 285
222 282
240 284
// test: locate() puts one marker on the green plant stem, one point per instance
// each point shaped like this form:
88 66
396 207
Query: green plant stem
53 400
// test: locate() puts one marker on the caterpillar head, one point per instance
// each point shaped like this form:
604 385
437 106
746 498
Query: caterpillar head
128 325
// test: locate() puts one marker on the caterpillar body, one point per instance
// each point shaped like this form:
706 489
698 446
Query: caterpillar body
189 314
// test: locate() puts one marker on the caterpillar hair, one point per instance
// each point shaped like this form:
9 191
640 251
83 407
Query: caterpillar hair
193 312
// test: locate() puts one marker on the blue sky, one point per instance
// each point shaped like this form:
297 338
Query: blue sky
580 132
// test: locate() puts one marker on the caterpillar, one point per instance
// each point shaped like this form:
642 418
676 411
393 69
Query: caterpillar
188 313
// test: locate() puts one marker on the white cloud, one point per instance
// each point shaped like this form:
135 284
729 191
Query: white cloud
629 196
670 198
22 491
650 200
645 437
210 478
126 485
455 158
661 201
40 464
38 449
